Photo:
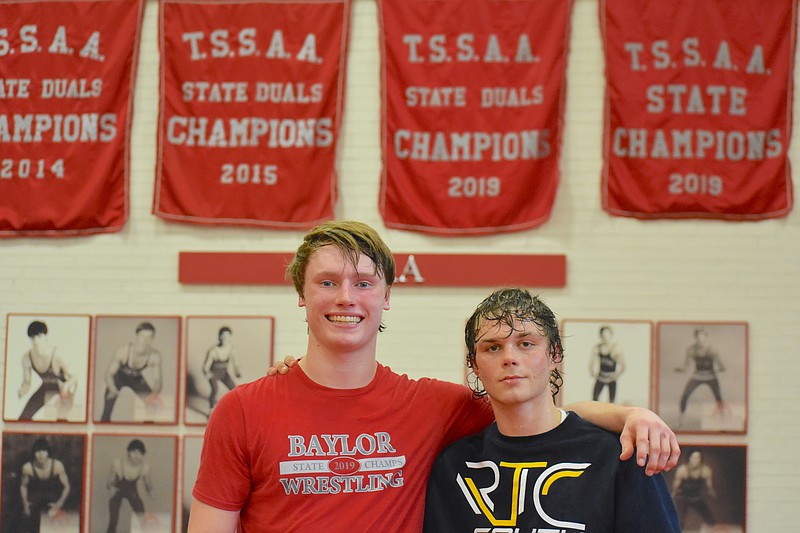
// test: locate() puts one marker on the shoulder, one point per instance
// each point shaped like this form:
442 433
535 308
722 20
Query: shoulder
475 447
260 391
427 386
583 431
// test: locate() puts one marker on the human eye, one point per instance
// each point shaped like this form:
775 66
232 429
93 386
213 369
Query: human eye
364 284
326 283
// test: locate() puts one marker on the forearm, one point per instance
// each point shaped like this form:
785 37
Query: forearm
23 490
110 385
60 501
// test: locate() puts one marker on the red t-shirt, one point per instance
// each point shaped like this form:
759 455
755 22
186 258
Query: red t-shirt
295 456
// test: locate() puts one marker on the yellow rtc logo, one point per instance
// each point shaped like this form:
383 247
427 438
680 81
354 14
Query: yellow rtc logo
480 498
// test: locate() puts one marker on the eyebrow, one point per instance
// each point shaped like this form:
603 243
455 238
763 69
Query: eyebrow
517 334
338 273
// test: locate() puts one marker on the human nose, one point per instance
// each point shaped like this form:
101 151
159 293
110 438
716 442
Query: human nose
509 358
344 295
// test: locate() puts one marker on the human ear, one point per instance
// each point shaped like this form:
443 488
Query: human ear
386 299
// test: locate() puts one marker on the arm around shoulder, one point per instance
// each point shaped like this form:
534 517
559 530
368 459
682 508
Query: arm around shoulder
640 429
204 518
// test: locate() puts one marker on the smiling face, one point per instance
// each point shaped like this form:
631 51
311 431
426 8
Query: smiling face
514 364
344 302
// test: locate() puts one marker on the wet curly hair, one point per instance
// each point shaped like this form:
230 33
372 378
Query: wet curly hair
504 307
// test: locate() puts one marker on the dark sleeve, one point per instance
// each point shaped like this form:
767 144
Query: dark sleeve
436 499
643 503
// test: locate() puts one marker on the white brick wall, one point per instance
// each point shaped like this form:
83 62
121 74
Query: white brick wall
617 268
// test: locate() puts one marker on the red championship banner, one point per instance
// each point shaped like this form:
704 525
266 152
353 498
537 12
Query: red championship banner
67 71
698 108
473 102
251 103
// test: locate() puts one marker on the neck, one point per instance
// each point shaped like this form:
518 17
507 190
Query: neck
339 370
527 419
40 348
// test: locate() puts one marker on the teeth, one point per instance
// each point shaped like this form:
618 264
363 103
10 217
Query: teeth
345 319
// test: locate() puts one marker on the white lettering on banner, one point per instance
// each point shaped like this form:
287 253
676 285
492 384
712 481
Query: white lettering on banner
410 269
66 88
694 100
437 49
721 145
248 173
441 146
30 43
14 88
662 58
250 131
215 92
288 93
31 168
512 96
222 43
238 91
69 128
436 96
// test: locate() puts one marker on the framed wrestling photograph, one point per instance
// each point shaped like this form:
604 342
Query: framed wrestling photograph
222 352
43 479
702 376
133 483
136 369
192 445
607 360
47 368
709 488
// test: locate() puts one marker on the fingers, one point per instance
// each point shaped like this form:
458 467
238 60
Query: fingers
278 367
675 452
626 440
281 366
655 445
663 452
